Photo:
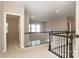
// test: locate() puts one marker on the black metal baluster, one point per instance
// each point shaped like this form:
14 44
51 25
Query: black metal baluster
49 42
55 44
67 45
61 47
52 43
71 47
64 48
58 45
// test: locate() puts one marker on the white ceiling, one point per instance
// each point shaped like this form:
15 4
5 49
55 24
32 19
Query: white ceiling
46 10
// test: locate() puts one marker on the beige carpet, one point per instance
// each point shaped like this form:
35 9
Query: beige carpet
39 51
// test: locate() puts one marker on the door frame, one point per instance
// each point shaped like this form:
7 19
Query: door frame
21 28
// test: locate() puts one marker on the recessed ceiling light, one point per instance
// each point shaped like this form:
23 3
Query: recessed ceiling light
32 16
57 11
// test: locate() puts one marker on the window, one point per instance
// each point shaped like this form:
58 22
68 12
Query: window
29 27
34 28
37 28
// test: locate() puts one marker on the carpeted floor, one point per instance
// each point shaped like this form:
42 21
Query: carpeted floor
39 51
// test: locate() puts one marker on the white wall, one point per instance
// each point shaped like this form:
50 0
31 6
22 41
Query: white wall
1 28
77 29
57 25
26 25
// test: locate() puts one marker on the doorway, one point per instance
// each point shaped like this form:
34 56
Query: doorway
12 31
21 30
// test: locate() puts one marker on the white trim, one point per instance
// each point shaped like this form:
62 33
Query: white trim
21 30
4 32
